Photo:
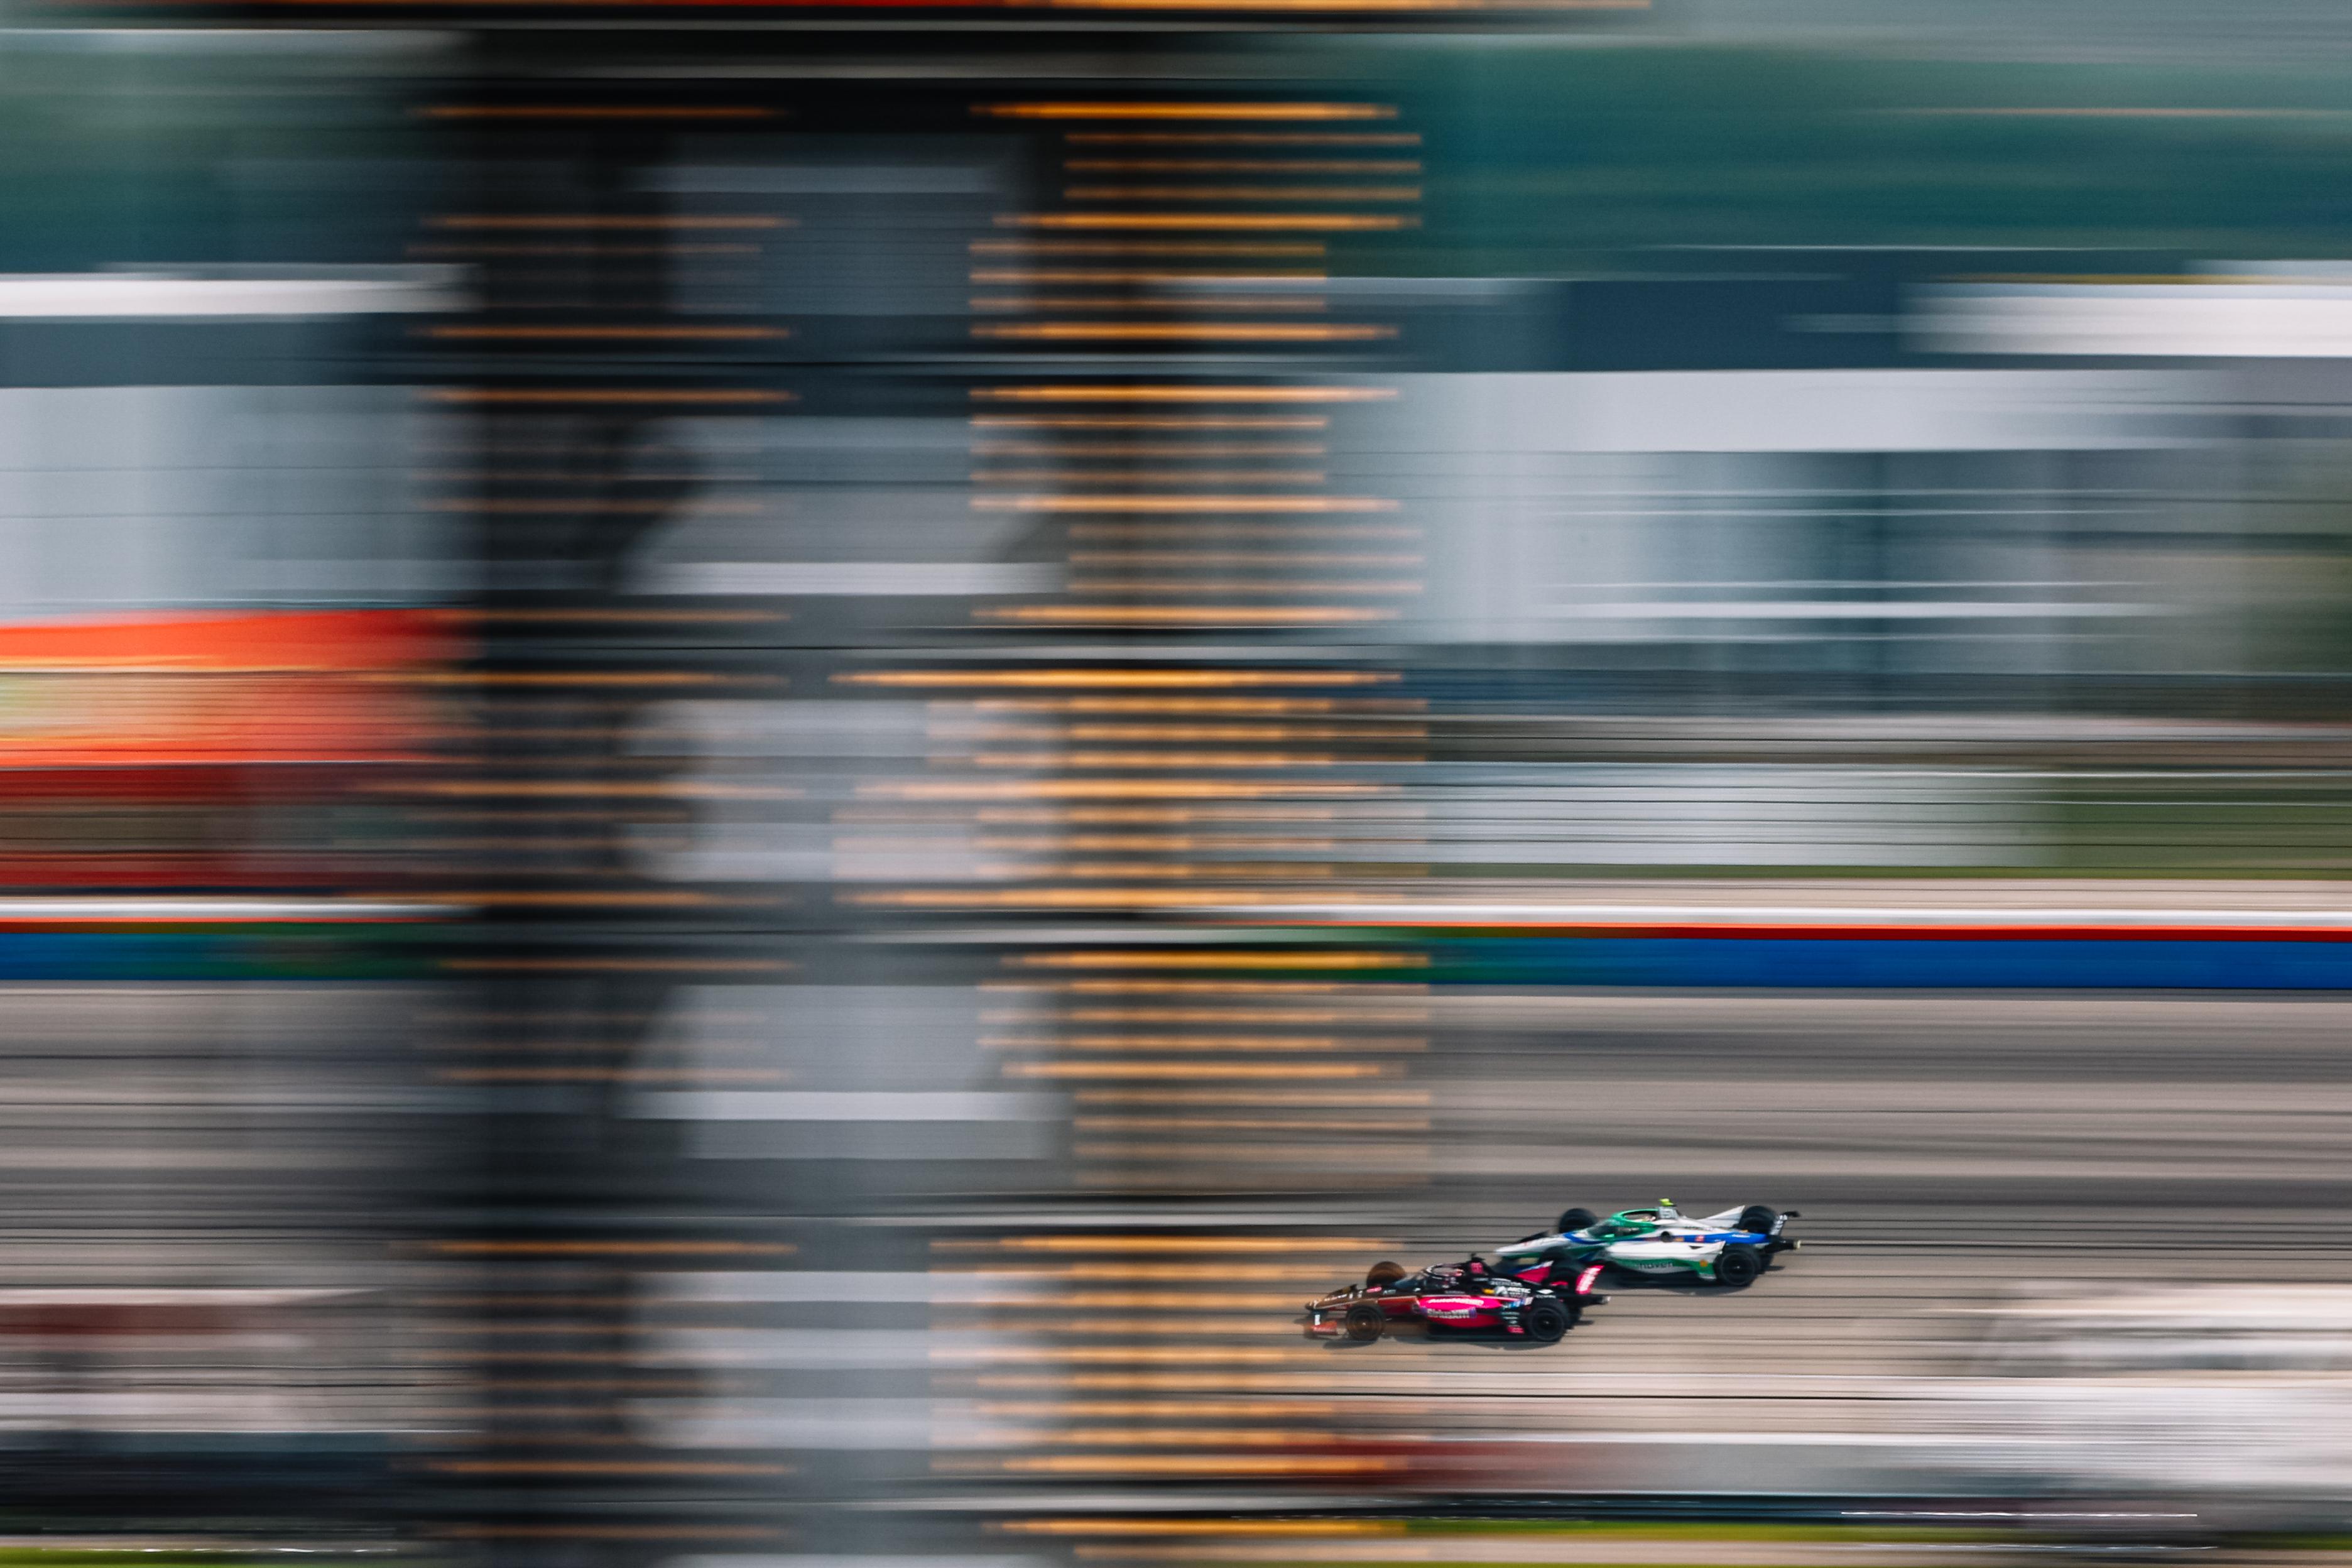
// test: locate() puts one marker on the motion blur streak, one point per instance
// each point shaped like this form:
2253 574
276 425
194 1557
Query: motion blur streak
765 764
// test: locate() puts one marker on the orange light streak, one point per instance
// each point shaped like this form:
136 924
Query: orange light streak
1207 303
1332 222
1187 615
1281 531
1032 246
1379 999
1110 449
1382 997
1108 110
1182 331
1257 1096
1149 679
1178 392
1200 1465
1184 958
1354 586
1206 1409
1155 1382
1251 1528
1242 1124
1293 1016
1064 275
1163 760
1237 558
1244 138
1153 814
1166 870
1034 1014
1052 897
1244 165
1219 503
1241 193
1381 6
1112 789
1269 705
1303 1043
1149 475
1242 732
1161 422
1237 732
1193 1436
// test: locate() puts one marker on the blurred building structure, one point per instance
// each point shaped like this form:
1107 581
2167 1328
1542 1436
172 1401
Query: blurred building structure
799 750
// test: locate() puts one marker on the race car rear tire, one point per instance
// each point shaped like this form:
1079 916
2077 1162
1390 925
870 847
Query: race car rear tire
1738 1266
1577 1219
1759 1219
1365 1323
1381 1274
1545 1321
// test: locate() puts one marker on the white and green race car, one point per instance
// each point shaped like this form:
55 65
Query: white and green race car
1733 1248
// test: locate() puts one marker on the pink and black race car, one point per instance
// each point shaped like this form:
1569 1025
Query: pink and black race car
1455 1298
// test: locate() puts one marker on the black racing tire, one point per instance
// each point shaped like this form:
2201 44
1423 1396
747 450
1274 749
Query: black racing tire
1756 1218
1545 1322
1381 1274
1577 1219
1736 1267
1366 1323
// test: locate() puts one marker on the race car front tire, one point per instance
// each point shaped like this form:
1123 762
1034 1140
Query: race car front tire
1758 1219
1365 1323
1738 1266
1545 1322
